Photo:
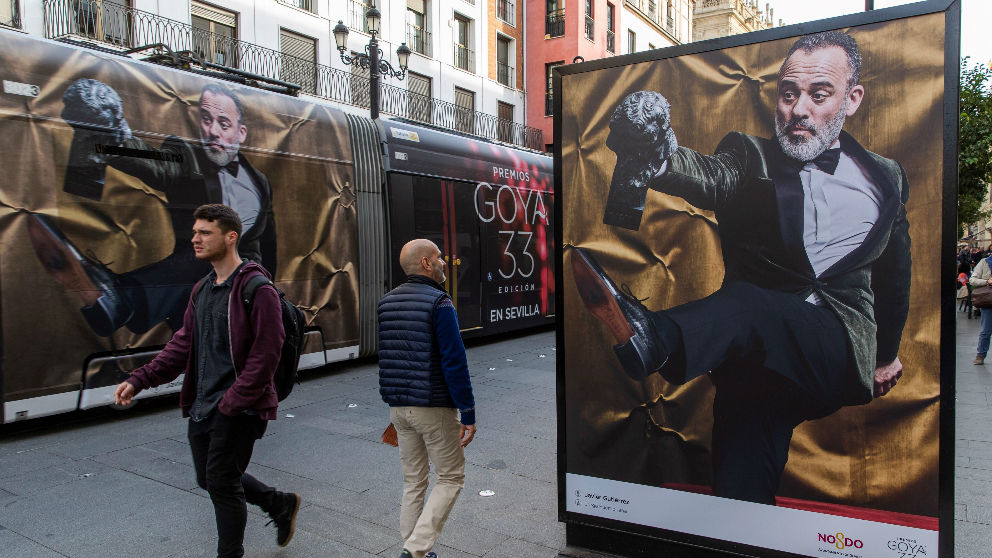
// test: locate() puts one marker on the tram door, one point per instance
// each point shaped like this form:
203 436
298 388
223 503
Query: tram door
442 211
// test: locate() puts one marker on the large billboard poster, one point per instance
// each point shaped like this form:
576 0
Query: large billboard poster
105 161
753 235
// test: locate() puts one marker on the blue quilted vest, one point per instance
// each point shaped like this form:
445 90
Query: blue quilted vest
409 360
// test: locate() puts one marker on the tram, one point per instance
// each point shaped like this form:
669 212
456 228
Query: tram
106 156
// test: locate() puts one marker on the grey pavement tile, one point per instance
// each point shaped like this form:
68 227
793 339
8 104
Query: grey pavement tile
19 458
260 543
14 545
87 517
971 540
972 398
471 539
39 480
515 548
978 514
346 529
960 511
151 464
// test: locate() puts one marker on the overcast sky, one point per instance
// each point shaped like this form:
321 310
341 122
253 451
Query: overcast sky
975 18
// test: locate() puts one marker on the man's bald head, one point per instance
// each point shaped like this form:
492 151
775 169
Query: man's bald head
422 257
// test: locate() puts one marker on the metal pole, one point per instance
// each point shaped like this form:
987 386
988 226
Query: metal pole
374 77
869 5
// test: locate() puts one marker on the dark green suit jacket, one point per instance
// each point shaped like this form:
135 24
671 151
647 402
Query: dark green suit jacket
757 197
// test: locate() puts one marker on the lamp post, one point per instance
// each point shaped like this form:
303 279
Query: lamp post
372 59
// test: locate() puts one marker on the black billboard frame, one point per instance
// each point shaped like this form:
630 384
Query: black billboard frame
630 539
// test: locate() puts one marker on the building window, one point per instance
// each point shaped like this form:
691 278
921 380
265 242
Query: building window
356 15
298 61
631 41
308 5
589 21
653 10
506 10
215 34
360 85
419 102
464 55
102 20
10 13
611 40
554 23
418 38
670 18
464 110
549 101
505 124
505 73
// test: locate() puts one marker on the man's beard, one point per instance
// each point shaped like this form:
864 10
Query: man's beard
223 157
806 149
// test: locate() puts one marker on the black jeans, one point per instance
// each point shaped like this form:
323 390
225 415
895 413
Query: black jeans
222 447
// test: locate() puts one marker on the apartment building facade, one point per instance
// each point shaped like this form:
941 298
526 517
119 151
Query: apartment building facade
719 18
464 71
562 31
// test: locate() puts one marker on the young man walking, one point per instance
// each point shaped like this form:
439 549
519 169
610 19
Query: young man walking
423 376
229 352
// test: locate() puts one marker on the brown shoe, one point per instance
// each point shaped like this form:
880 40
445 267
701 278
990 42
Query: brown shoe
979 359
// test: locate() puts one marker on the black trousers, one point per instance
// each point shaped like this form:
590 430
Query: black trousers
776 361
222 447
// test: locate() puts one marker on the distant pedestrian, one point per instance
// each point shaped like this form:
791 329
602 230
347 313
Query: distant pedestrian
423 376
229 355
981 277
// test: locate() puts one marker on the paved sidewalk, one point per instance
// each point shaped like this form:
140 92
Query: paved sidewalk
121 484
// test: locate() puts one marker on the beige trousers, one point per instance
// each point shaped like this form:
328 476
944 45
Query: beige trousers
427 435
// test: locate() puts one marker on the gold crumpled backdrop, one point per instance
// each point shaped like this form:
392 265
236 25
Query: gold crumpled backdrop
882 455
302 148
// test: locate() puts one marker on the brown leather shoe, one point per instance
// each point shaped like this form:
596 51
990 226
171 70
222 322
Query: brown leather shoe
637 348
104 308
979 359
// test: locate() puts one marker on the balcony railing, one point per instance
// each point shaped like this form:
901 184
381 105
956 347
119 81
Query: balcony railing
308 5
10 13
506 11
549 104
590 28
356 16
127 27
554 24
505 74
464 58
611 41
419 40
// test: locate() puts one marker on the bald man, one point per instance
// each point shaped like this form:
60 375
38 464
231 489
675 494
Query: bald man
423 377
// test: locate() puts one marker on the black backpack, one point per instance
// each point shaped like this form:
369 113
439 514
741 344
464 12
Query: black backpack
293 321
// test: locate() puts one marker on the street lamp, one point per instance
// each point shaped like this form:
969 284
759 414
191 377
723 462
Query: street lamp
372 59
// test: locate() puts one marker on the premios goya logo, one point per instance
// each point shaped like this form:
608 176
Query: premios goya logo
840 540
907 548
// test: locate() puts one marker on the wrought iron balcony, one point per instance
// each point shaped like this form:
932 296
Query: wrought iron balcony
554 24
590 28
505 74
10 13
126 27
611 41
464 58
419 40
506 11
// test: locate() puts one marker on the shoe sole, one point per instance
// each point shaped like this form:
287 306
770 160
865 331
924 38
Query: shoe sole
60 258
598 296
292 520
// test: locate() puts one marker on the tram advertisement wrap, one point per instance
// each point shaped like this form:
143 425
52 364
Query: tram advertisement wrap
512 210
735 306
113 156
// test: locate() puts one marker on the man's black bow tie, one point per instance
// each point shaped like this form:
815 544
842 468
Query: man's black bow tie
827 161
232 167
